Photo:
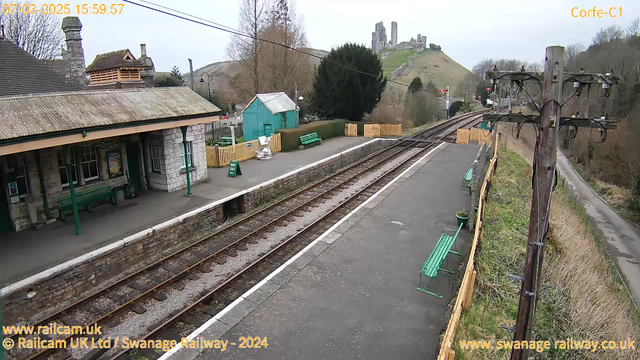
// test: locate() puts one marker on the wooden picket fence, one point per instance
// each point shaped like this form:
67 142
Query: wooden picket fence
463 136
465 294
377 130
480 135
222 156
350 130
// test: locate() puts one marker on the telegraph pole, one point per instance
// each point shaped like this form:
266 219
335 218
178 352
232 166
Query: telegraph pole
543 181
548 124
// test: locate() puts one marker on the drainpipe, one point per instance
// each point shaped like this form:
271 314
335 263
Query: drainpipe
74 204
186 157
43 188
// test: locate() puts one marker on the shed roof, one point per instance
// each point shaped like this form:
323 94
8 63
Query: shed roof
277 102
21 73
113 60
24 116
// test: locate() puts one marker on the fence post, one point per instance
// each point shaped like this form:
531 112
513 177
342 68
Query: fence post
469 295
217 155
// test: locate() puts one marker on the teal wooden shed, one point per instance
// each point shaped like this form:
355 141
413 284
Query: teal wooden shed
267 113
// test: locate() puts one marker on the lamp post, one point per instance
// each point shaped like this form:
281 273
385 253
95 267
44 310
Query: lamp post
208 83
296 98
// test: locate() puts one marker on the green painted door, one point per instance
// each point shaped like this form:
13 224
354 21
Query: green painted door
5 218
133 163
268 129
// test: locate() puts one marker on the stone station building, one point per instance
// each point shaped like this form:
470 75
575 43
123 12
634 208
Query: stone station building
129 139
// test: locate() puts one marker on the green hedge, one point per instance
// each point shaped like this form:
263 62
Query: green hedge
326 129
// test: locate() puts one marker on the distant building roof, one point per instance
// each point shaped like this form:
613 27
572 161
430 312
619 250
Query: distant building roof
21 73
114 60
24 116
276 102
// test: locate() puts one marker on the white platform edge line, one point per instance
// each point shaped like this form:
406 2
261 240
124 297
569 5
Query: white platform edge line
257 286
175 220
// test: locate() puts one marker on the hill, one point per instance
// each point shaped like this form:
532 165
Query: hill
428 64
230 68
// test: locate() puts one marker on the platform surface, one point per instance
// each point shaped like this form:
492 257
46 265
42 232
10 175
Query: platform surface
29 252
353 294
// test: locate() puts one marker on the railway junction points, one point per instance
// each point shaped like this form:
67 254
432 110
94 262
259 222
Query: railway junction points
323 262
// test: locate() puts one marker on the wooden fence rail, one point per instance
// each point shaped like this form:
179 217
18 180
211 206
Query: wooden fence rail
465 294
350 130
222 156
377 130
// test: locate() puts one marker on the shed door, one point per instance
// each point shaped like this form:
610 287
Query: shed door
268 129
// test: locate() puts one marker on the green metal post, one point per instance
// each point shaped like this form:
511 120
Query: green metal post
186 157
43 188
74 204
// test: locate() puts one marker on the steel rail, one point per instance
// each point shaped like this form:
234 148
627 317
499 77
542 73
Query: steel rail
156 288
156 331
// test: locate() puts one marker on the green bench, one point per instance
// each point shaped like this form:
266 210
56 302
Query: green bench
433 265
310 139
225 141
84 199
467 178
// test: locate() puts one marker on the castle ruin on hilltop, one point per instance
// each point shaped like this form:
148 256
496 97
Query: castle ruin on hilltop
379 40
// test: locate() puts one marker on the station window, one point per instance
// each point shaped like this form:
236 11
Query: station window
189 155
21 178
89 162
156 157
64 178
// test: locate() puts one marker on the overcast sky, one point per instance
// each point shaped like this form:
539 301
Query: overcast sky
467 30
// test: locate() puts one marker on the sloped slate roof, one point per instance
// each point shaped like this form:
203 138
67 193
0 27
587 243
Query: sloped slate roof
21 73
276 102
113 60
23 116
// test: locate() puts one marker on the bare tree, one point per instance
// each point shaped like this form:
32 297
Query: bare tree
248 51
481 68
467 86
534 67
609 34
38 34
287 68
634 28
572 51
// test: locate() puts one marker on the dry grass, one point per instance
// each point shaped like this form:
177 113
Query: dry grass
600 306
588 301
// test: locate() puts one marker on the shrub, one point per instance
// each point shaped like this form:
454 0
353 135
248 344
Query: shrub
325 129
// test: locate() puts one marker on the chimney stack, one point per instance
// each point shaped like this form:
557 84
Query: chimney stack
74 55
149 69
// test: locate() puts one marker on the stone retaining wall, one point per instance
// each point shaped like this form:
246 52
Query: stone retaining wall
67 283
67 286
307 176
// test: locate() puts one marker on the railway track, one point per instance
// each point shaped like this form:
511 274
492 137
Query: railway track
109 306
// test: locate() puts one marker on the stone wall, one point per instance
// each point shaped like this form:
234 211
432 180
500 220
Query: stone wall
92 271
172 143
51 174
88 276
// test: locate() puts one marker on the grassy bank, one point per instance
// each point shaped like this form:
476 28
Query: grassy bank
585 300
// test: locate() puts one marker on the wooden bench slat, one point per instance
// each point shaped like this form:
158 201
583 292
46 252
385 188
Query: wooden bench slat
433 265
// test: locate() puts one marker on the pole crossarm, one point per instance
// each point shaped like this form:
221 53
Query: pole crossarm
564 120
581 77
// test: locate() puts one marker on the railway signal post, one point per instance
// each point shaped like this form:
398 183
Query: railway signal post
544 173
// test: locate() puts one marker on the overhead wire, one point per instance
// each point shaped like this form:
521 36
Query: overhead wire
208 23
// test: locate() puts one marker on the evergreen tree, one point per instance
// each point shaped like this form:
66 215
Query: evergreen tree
416 85
340 92
175 72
